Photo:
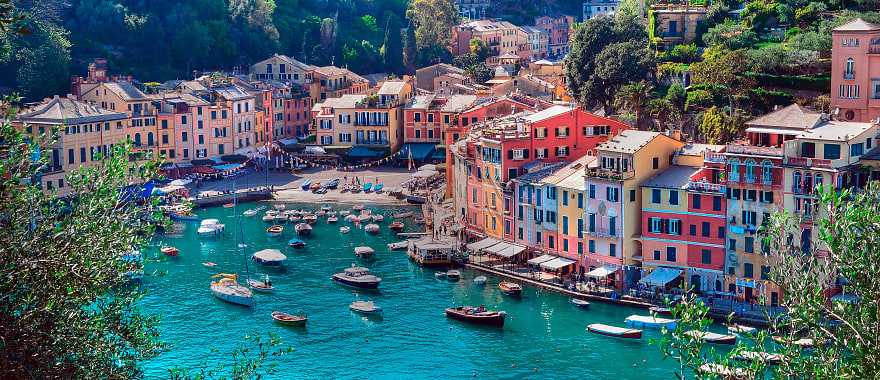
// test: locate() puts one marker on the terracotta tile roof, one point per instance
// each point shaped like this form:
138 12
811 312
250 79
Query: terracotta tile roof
628 141
791 117
857 25
59 110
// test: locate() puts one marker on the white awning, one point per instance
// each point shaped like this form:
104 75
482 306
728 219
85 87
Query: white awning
661 276
428 167
478 245
512 250
287 141
602 272
496 248
541 259
315 150
246 151
557 263
180 182
781 131
424 174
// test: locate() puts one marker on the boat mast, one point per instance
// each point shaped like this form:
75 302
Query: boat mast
239 232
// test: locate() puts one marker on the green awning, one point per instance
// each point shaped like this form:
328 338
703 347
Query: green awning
364 152
420 151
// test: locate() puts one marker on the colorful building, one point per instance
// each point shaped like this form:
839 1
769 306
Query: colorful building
559 30
426 120
855 71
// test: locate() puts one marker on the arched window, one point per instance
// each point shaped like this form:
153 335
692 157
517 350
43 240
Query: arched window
818 179
150 138
734 170
850 68
137 139
808 183
750 171
796 182
767 172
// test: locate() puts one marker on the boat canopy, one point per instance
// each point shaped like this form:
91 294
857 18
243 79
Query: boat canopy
602 272
270 255
557 263
485 243
661 276
541 259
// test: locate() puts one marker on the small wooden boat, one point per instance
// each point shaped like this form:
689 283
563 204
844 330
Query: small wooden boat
398 245
741 329
402 215
332 219
228 205
756 356
209 264
583 304
289 319
617 332
372 228
344 229
306 184
363 252
296 243
510 288
344 213
275 230
480 280
396 226
804 343
419 221
365 307
453 275
279 206
169 251
357 207
439 275
650 322
315 186
477 315
368 186
710 337
659 310
310 218
264 286
378 188
303 229
333 184
378 218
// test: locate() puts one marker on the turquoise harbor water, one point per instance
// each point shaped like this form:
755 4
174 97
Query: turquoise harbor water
544 336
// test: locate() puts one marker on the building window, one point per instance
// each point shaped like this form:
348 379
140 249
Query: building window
655 196
670 254
749 245
657 255
716 203
654 225
655 163
592 246
612 250
850 70
748 270
674 227
831 151
696 200
673 197
705 229
856 149
706 256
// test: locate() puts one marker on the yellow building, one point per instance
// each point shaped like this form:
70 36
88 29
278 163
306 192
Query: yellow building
124 97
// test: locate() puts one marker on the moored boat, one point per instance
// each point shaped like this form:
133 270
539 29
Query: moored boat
211 227
315 186
305 185
269 257
275 230
289 319
710 337
358 277
378 218
402 215
453 275
659 310
364 252
741 329
398 245
368 186
344 229
270 216
805 343
614 331
480 280
303 229
650 322
296 243
439 275
228 289
725 372
333 184
263 286
310 218
756 356
365 307
357 207
372 228
477 315
344 212
279 206
378 188
332 219
249 213
169 251
419 220
583 304
510 288
396 226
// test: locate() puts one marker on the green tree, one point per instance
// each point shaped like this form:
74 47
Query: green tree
433 21
724 68
392 45
633 97
716 127
409 50
473 67
843 332
730 35
36 62
479 48
617 65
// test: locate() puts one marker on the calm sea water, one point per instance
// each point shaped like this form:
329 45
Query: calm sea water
544 336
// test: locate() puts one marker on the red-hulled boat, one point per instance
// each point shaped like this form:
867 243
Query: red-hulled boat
617 332
477 315
169 251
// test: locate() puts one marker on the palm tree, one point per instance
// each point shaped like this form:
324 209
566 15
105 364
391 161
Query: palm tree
633 97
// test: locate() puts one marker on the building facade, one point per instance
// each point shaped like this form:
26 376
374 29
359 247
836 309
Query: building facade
855 71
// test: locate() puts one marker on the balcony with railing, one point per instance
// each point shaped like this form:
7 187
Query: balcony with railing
610 174
375 142
874 49
807 162
706 187
714 157
849 75
604 232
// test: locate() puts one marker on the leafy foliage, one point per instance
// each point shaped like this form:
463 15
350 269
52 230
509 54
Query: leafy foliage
473 67
433 21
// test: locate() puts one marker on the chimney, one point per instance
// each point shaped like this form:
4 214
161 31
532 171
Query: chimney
674 133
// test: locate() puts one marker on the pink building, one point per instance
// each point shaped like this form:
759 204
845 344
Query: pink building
855 71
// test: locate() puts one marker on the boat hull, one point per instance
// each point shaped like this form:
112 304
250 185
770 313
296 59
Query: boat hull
615 332
494 320
356 284
234 299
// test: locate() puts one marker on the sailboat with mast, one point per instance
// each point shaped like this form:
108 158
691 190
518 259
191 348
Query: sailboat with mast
226 287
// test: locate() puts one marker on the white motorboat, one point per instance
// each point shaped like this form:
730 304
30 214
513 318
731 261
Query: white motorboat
650 322
351 218
358 277
320 213
741 329
583 304
279 206
211 227
263 286
372 228
440 274
281 218
344 229
364 252
364 218
270 216
303 228
378 218
453 275
398 245
332 219
402 215
250 213
228 289
366 307
344 212
269 257
310 219
480 280
325 208
357 207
